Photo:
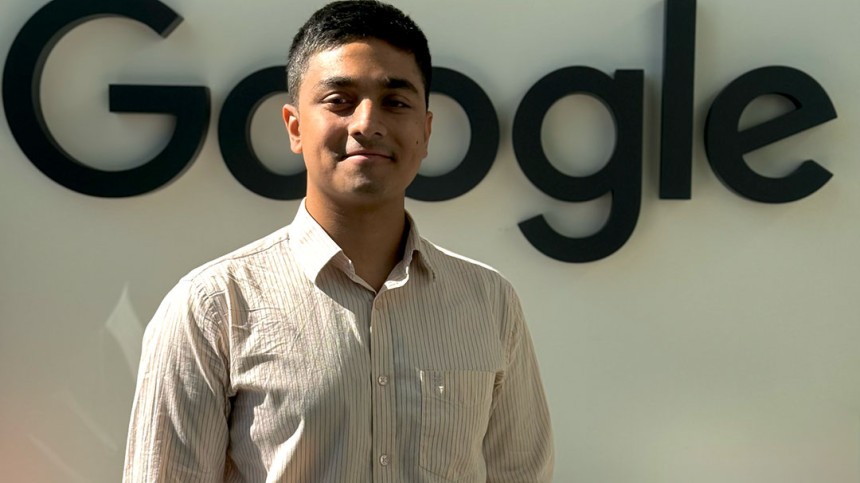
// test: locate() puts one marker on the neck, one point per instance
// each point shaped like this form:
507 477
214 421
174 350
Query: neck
372 237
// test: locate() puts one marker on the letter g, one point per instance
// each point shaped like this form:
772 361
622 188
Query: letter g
22 79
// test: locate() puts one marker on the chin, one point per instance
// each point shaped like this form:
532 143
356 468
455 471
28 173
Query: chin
373 195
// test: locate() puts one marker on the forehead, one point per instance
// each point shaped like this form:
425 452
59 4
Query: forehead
370 60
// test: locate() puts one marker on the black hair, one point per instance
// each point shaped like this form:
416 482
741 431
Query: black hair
346 21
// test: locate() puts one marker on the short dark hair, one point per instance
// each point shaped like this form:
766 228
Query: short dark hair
346 21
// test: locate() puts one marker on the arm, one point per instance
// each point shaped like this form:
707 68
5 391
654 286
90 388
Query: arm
518 445
178 429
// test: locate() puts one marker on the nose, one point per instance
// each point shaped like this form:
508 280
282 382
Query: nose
367 120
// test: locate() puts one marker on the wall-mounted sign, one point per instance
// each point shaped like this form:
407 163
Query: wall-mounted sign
622 94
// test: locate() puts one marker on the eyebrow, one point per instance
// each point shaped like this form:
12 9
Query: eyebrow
393 83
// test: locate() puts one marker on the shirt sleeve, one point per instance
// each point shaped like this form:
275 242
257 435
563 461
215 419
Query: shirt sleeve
518 446
178 429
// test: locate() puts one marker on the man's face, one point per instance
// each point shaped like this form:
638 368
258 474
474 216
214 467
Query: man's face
361 123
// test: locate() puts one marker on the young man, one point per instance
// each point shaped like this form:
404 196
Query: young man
344 347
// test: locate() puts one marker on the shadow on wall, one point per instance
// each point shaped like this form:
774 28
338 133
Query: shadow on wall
95 402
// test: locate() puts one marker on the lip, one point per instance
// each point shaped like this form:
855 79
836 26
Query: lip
366 155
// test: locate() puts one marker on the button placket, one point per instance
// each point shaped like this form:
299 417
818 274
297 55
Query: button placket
382 367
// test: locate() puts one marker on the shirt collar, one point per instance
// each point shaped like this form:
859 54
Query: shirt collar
314 248
311 245
416 245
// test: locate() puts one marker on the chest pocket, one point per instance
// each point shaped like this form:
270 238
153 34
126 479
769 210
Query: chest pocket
455 410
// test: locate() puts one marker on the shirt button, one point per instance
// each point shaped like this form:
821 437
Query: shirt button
384 460
382 380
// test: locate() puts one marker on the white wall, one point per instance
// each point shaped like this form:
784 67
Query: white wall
719 345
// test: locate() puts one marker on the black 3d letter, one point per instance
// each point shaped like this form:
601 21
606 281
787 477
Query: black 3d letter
234 137
22 78
621 176
483 145
676 118
726 146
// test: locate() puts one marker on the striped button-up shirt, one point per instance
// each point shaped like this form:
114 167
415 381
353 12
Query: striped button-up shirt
277 363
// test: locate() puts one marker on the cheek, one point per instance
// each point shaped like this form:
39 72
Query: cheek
418 133
319 131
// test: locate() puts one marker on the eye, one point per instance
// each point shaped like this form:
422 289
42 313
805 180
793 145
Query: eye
338 104
397 103
336 100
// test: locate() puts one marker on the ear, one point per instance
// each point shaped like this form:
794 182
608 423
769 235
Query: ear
291 121
428 127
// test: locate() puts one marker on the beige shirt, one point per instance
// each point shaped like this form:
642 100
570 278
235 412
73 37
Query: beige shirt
276 363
